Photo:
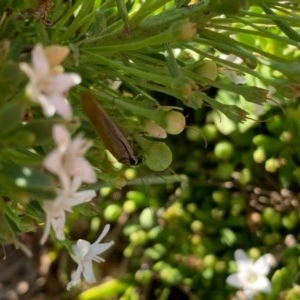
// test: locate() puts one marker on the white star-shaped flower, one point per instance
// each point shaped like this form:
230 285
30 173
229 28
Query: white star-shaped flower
67 160
56 210
85 253
252 275
48 85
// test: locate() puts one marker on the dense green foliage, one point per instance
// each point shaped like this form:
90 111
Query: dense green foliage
230 70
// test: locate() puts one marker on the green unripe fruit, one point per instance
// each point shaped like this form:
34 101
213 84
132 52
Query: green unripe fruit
286 136
237 205
275 125
184 87
207 69
171 275
271 217
224 171
158 157
210 132
144 276
259 155
196 240
271 239
183 30
175 122
220 196
210 260
220 266
296 172
129 206
112 212
245 176
192 208
138 237
137 197
291 220
146 218
272 165
193 134
224 150
197 226
254 253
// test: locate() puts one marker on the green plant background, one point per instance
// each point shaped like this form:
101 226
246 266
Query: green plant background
234 178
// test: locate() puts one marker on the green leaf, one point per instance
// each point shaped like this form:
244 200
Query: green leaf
107 290
10 77
31 180
41 129
11 115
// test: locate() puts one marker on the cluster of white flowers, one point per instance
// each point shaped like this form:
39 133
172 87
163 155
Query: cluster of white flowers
48 86
251 276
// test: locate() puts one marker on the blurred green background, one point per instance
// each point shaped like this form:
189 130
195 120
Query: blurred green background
234 178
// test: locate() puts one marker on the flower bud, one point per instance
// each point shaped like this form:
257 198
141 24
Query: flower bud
184 86
272 165
154 130
56 54
207 69
112 212
224 150
175 122
259 155
183 30
158 157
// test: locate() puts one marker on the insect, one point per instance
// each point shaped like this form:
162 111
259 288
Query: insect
111 134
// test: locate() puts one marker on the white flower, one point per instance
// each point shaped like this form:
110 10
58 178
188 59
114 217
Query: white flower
251 275
56 210
85 254
67 160
48 86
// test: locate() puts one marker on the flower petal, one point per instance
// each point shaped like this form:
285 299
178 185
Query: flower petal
88 272
39 61
103 234
81 197
62 106
46 231
263 264
262 284
52 162
75 277
58 223
234 280
62 137
242 260
82 248
63 82
84 170
98 249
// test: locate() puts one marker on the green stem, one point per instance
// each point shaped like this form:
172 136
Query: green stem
165 80
132 45
224 62
259 32
229 45
171 61
156 115
273 17
292 34
123 13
